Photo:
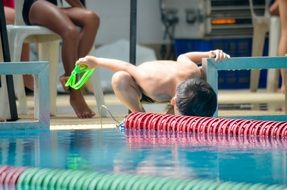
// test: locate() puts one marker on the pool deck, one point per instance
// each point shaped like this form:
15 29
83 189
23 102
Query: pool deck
66 118
235 102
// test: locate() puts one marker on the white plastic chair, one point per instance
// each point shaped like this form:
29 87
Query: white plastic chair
48 50
262 24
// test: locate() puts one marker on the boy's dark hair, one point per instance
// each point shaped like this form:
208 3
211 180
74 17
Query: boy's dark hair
195 97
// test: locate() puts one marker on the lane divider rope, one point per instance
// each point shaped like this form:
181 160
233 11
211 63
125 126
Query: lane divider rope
57 179
205 125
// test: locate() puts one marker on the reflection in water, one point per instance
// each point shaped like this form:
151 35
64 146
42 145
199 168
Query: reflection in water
163 138
225 158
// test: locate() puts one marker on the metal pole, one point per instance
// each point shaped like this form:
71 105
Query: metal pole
6 55
133 31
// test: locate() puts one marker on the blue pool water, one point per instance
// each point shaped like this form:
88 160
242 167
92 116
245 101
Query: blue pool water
175 155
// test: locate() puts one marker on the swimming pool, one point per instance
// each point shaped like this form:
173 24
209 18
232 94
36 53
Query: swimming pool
180 156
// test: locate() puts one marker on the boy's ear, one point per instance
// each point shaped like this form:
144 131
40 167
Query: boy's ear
173 101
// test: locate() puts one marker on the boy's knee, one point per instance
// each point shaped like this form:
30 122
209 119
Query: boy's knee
120 80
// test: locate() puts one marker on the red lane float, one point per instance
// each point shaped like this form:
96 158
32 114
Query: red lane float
206 125
9 176
143 138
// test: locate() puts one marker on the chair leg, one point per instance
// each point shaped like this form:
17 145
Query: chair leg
260 28
98 92
4 105
3 92
49 51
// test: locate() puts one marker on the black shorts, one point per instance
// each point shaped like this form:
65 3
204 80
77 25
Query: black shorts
26 9
146 99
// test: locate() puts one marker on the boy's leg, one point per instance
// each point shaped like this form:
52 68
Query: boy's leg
127 90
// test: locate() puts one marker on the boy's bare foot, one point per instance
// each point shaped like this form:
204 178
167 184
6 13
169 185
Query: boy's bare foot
79 105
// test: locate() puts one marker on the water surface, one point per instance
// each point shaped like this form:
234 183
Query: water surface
249 160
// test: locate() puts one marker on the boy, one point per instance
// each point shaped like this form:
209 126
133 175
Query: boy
181 82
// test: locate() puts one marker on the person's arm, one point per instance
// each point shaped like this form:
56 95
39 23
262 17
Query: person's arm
196 57
111 64
75 3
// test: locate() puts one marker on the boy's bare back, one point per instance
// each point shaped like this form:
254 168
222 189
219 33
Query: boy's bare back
158 79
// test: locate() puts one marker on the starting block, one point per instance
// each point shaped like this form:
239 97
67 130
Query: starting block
245 63
40 71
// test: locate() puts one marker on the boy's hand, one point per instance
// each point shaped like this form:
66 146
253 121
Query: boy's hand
84 62
218 55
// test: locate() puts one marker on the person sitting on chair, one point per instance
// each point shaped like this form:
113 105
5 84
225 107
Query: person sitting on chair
77 27
182 82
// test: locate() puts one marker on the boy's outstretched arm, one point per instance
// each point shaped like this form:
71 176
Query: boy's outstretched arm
111 64
196 57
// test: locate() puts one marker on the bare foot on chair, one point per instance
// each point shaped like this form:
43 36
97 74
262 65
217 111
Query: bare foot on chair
79 105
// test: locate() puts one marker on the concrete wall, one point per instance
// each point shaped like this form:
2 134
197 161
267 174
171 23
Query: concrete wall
115 18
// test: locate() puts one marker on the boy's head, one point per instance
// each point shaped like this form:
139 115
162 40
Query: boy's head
195 97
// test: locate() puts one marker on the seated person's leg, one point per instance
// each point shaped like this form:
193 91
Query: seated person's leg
28 79
46 14
9 15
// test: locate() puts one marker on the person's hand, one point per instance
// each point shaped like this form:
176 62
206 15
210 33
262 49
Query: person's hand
218 55
85 62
